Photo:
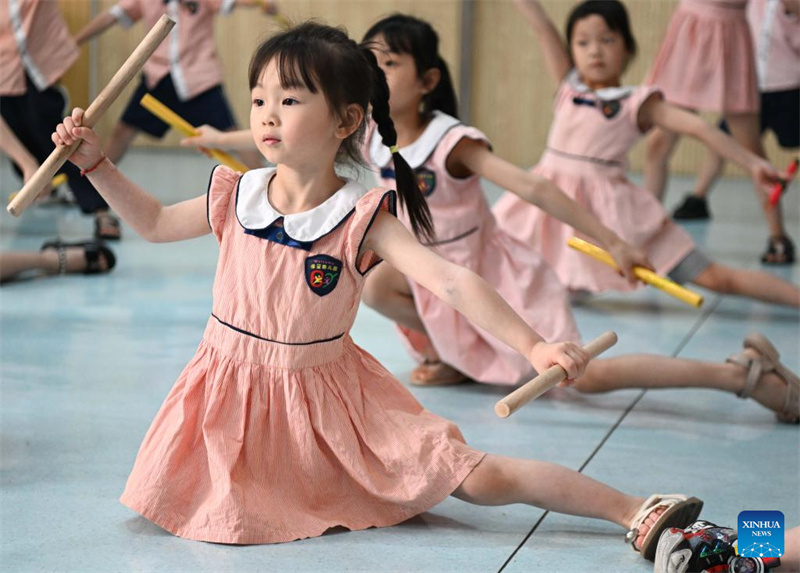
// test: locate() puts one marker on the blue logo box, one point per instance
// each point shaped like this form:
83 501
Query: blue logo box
760 534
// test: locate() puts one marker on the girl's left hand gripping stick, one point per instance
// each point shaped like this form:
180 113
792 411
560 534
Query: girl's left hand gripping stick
129 70
549 378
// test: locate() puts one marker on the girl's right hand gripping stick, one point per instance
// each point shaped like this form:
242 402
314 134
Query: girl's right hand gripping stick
549 378
129 70
645 275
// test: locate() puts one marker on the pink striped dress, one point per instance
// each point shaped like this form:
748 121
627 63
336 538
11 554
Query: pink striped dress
467 235
706 59
281 427
587 158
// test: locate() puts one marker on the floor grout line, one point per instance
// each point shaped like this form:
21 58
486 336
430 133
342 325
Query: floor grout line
701 320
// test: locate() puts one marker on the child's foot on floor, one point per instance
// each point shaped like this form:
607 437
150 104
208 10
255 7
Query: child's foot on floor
693 208
766 380
657 513
91 257
436 373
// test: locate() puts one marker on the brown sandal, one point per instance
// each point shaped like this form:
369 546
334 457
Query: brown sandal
769 361
436 373
106 227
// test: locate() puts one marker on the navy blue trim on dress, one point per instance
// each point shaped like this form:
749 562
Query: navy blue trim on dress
239 330
393 210
454 239
278 234
607 162
208 198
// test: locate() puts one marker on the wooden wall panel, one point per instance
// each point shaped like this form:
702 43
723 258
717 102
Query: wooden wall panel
76 80
511 92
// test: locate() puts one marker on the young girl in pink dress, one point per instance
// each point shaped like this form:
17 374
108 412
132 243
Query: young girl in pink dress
281 427
448 158
596 123
706 63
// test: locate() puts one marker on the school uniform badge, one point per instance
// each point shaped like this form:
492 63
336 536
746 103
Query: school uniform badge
322 274
610 108
426 181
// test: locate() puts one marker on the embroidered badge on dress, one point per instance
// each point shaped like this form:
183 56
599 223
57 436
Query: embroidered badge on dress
426 181
322 273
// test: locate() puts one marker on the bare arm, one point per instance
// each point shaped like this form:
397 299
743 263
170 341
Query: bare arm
13 147
471 156
212 138
556 57
655 111
97 26
148 217
469 294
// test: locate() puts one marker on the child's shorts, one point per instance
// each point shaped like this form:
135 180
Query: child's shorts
780 113
690 267
209 108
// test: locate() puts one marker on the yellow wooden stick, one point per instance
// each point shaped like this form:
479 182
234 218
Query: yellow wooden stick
59 179
645 275
168 116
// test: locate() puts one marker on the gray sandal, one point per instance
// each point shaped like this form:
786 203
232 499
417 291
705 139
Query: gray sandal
767 362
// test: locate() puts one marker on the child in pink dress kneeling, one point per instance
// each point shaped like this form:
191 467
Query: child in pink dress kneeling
596 122
281 427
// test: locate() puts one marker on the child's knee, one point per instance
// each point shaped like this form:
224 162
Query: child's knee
659 144
373 295
716 278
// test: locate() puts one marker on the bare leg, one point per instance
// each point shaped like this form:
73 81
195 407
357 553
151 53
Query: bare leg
652 372
745 129
752 284
790 562
387 291
121 138
660 145
709 173
15 263
499 480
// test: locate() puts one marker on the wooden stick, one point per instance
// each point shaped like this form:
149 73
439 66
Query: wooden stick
171 118
95 111
548 379
59 179
645 275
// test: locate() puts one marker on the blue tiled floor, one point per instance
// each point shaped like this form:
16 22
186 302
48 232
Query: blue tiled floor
86 363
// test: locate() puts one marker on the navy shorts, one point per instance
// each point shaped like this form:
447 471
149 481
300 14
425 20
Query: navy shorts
780 113
210 107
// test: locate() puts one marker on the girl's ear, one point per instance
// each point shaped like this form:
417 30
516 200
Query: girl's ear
351 120
430 79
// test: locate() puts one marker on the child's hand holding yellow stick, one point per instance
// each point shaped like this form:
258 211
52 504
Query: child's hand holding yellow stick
646 276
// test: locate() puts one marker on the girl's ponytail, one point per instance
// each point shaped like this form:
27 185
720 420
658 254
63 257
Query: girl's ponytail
410 197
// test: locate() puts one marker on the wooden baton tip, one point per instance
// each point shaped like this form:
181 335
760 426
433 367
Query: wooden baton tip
93 113
502 410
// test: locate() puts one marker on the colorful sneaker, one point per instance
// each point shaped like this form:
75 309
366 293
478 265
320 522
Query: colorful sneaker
692 209
705 548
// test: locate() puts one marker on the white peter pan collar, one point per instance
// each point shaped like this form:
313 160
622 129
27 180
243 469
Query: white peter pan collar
418 152
605 94
255 212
